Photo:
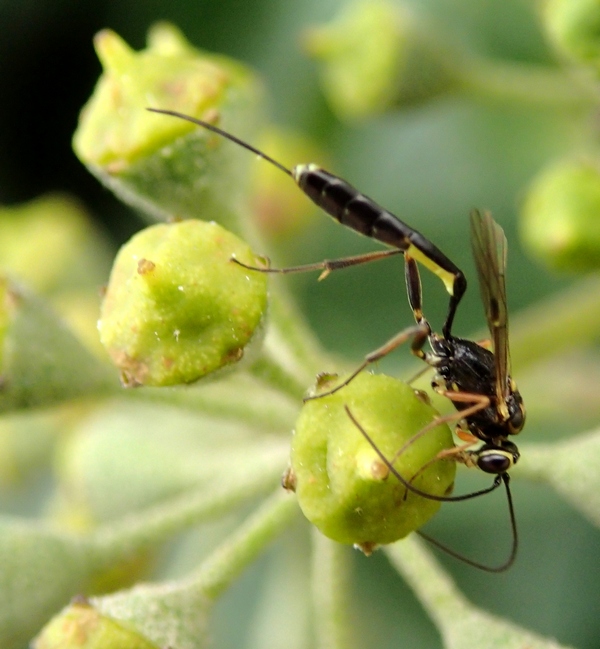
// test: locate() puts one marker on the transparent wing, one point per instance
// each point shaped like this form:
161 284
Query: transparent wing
489 251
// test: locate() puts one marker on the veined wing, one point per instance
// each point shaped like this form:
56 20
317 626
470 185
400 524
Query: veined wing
489 251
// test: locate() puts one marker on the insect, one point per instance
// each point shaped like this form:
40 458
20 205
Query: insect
489 406
363 215
476 380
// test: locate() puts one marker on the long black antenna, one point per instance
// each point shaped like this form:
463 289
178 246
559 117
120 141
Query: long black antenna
444 499
475 564
504 477
228 136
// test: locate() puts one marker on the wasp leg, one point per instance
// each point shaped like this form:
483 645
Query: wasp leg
479 401
419 334
415 300
413 287
456 453
497 480
327 265
418 374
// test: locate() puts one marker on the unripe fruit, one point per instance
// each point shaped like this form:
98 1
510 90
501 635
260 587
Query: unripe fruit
560 222
375 56
80 626
343 486
168 167
573 27
176 307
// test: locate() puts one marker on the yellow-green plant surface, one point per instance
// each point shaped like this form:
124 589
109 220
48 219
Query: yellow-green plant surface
140 484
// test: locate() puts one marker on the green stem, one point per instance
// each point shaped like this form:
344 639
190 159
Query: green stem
176 613
331 576
218 571
562 321
119 540
237 397
525 83
461 624
274 374
292 356
434 588
302 352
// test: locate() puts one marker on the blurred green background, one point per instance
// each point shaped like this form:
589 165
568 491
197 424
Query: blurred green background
430 165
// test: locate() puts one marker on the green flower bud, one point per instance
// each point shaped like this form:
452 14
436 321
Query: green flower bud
41 570
176 307
375 56
574 28
81 626
162 165
79 309
41 362
105 473
559 221
343 486
43 241
280 210
26 442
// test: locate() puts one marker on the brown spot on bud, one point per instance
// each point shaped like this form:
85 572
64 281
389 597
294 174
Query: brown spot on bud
145 266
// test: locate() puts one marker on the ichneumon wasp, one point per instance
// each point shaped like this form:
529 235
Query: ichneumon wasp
489 408
477 381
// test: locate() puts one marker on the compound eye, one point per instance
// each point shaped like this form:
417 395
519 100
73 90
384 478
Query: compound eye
517 420
495 461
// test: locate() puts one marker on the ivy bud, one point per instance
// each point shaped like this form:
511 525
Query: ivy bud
81 626
176 307
43 241
573 27
164 166
560 223
343 486
41 362
280 210
41 569
375 56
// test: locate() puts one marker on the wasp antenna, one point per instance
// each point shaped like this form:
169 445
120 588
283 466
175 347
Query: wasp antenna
443 499
225 134
475 564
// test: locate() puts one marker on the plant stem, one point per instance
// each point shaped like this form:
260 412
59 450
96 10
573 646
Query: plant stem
236 397
434 588
555 324
525 83
274 374
218 571
331 575
291 356
119 540
461 624
295 343
176 613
